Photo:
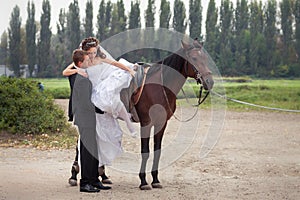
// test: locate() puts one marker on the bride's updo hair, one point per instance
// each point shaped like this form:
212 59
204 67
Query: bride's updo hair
90 42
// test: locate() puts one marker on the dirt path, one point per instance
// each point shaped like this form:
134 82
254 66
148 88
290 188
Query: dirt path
256 157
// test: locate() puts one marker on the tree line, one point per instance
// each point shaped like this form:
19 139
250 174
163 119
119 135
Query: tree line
249 38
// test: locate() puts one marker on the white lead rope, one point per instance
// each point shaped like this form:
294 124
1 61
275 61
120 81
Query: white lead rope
254 105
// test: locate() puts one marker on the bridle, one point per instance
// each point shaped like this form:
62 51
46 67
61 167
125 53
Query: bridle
198 77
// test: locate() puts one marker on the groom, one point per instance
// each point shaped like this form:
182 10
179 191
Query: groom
85 119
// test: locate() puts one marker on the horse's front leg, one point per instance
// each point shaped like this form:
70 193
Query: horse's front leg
158 135
145 137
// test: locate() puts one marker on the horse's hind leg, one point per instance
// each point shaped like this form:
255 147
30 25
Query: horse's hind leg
157 152
145 136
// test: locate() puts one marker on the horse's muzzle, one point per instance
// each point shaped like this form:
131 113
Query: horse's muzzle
208 82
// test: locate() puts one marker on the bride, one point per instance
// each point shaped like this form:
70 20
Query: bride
108 78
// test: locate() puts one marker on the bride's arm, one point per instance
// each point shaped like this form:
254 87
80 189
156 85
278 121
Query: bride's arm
119 65
68 71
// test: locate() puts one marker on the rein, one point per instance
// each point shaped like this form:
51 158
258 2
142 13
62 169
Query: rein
199 100
198 79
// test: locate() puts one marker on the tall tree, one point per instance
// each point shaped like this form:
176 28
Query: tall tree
270 36
179 17
287 29
108 18
61 53
241 33
4 48
241 16
211 28
149 14
23 53
135 15
61 26
88 25
118 20
73 26
14 33
257 42
164 22
149 36
295 68
297 30
226 28
108 13
44 40
121 15
101 21
115 28
165 14
31 37
134 23
195 17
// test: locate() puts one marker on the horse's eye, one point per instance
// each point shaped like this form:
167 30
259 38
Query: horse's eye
194 58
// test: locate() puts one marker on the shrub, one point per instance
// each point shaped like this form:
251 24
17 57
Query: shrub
25 109
295 70
282 71
59 93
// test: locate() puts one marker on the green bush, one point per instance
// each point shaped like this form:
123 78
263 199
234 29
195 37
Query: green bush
25 109
282 71
59 93
295 70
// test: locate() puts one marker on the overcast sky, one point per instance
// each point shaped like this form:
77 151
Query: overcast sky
56 5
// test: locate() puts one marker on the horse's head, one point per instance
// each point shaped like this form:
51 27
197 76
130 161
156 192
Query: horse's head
197 64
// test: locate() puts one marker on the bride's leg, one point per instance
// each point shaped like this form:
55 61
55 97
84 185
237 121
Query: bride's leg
124 115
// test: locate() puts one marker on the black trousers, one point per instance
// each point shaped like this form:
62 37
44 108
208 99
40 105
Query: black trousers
97 110
70 114
89 159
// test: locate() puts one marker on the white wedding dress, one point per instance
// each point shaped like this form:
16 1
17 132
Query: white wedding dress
108 81
109 138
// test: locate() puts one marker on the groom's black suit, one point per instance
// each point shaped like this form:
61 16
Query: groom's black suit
85 119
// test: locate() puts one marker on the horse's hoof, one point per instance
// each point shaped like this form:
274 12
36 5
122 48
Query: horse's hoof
145 187
156 185
72 182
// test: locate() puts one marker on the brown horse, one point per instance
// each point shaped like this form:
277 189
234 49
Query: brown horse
157 102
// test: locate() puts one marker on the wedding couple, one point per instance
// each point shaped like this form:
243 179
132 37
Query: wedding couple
96 105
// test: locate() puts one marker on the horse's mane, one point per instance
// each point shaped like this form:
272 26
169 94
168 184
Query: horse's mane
174 60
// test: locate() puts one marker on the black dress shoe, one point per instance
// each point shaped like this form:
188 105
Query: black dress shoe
88 188
100 186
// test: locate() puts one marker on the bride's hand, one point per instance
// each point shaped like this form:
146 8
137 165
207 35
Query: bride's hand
82 73
132 73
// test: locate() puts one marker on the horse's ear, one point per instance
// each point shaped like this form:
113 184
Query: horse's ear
185 45
197 44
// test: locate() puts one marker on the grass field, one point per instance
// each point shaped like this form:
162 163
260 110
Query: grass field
272 93
55 83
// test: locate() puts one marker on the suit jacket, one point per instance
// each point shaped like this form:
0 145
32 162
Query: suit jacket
82 106
85 119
